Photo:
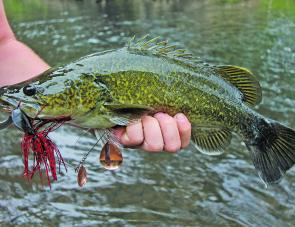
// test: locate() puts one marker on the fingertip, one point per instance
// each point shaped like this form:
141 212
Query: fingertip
160 115
125 140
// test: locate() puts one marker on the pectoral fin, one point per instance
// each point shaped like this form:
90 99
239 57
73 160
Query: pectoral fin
211 140
128 108
125 114
243 80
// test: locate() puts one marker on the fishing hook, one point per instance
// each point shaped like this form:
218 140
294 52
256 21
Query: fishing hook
6 123
22 121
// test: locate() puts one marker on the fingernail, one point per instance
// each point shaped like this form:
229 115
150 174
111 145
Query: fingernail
125 139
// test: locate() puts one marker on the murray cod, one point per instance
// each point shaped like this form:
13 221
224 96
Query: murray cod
115 87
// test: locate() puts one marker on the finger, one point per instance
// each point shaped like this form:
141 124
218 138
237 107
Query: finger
132 135
184 128
170 132
153 140
118 131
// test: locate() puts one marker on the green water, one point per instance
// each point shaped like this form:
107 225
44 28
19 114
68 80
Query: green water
186 189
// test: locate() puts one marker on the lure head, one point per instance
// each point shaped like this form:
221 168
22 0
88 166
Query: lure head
56 93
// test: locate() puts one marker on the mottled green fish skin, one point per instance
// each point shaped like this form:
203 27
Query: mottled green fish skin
81 89
115 87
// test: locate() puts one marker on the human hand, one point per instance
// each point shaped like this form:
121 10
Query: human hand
157 133
161 132
17 61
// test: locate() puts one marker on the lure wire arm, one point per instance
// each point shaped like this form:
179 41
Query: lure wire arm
86 155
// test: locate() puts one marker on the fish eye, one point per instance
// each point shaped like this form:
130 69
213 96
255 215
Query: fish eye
29 90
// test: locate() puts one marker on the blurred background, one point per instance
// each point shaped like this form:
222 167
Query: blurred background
185 189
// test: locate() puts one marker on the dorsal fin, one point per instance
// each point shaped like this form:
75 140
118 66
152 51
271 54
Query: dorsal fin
161 48
242 79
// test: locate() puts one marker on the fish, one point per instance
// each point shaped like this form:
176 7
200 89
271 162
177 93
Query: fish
117 87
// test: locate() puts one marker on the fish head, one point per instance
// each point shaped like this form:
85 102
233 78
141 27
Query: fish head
22 95
45 97
63 92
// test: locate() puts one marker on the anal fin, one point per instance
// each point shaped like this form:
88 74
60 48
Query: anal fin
211 140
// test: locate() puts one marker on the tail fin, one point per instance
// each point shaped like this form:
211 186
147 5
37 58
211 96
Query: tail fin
273 151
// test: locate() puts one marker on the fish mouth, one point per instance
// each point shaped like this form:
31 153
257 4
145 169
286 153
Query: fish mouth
9 103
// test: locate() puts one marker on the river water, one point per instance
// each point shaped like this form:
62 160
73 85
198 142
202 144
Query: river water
186 189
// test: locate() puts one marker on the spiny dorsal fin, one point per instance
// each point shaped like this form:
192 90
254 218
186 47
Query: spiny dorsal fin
161 48
211 140
244 80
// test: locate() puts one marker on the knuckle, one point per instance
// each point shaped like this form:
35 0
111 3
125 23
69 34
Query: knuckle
136 140
168 120
147 119
184 145
173 147
164 118
155 147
